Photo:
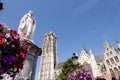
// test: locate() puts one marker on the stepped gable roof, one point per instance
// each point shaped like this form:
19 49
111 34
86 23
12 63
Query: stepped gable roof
59 65
99 58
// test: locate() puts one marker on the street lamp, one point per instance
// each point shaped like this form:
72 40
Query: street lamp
74 59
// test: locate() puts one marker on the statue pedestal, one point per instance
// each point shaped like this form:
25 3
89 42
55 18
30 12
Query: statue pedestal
28 71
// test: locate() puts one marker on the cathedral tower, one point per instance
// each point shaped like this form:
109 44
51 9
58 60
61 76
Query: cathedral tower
49 57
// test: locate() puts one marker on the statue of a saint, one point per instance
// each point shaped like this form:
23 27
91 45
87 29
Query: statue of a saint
27 26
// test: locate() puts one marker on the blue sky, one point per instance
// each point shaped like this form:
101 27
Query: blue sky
76 23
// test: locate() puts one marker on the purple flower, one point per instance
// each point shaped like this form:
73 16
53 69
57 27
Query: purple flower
8 59
13 58
5 50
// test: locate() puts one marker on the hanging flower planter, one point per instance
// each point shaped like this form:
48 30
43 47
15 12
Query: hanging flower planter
12 54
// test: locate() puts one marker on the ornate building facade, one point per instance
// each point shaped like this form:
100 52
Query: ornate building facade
111 61
106 65
49 58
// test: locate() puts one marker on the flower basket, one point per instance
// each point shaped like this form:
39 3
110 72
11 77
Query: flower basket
12 54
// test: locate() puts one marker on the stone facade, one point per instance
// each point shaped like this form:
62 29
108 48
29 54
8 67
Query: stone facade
106 65
111 60
49 57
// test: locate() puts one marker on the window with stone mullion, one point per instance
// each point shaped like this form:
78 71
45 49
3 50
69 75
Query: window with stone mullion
112 61
111 70
116 59
107 61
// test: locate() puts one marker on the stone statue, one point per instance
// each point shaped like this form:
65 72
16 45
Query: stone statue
27 26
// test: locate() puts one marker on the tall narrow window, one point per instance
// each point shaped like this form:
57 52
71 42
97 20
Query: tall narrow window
116 59
107 54
107 49
111 59
119 67
107 61
111 70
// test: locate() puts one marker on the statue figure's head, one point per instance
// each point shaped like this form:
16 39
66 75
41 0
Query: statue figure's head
30 13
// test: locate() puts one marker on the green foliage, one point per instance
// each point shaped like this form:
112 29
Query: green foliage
67 68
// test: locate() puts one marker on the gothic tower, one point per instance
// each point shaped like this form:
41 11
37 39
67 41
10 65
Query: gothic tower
49 57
